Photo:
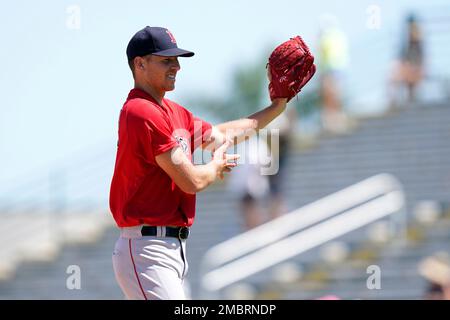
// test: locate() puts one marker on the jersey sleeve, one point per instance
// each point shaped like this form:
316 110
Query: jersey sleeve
199 129
151 136
200 132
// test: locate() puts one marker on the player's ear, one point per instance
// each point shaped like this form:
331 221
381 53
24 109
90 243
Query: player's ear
139 63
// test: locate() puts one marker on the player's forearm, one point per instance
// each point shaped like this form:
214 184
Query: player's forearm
203 175
265 116
242 129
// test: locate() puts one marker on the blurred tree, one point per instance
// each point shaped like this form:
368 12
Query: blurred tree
248 87
307 102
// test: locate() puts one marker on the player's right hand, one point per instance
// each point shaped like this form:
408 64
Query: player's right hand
224 162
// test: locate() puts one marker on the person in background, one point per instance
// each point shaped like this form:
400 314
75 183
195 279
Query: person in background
249 183
280 148
333 60
259 189
408 71
436 270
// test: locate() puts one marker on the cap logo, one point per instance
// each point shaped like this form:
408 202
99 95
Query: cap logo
172 38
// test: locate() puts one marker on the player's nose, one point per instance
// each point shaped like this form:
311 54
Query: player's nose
176 64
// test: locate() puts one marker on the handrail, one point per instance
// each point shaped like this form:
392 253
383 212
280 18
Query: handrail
311 226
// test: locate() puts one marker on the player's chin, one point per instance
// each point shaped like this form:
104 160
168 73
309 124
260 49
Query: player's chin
170 86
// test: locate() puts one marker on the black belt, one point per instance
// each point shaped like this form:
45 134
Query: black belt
176 232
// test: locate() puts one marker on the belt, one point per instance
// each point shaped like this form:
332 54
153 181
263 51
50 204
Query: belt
176 232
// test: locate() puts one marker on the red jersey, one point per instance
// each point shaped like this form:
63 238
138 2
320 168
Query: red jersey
141 192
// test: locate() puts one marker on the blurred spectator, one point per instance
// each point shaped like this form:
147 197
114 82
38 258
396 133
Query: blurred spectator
257 187
409 70
434 291
333 59
436 270
248 182
279 149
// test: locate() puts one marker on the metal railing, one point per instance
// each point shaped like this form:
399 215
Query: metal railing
301 230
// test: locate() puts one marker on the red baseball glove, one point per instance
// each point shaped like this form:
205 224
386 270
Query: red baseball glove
291 66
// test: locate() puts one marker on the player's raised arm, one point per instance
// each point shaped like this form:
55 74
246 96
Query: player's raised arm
242 129
290 67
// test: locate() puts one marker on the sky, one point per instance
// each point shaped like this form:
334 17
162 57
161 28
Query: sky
65 77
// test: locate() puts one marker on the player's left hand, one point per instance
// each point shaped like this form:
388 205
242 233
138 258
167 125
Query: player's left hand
290 67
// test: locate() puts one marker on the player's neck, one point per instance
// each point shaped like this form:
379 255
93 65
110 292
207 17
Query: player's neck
157 95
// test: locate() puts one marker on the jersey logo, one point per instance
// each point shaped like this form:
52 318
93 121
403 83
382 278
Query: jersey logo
172 38
182 142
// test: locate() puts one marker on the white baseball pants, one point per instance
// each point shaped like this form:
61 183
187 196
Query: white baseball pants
150 267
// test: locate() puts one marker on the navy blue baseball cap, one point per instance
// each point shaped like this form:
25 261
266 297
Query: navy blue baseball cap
155 40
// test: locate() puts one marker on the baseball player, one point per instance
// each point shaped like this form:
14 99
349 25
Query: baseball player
152 196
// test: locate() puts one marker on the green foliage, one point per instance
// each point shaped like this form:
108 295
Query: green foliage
248 89
306 102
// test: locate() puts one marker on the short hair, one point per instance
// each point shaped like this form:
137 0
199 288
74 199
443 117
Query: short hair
131 65
131 62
